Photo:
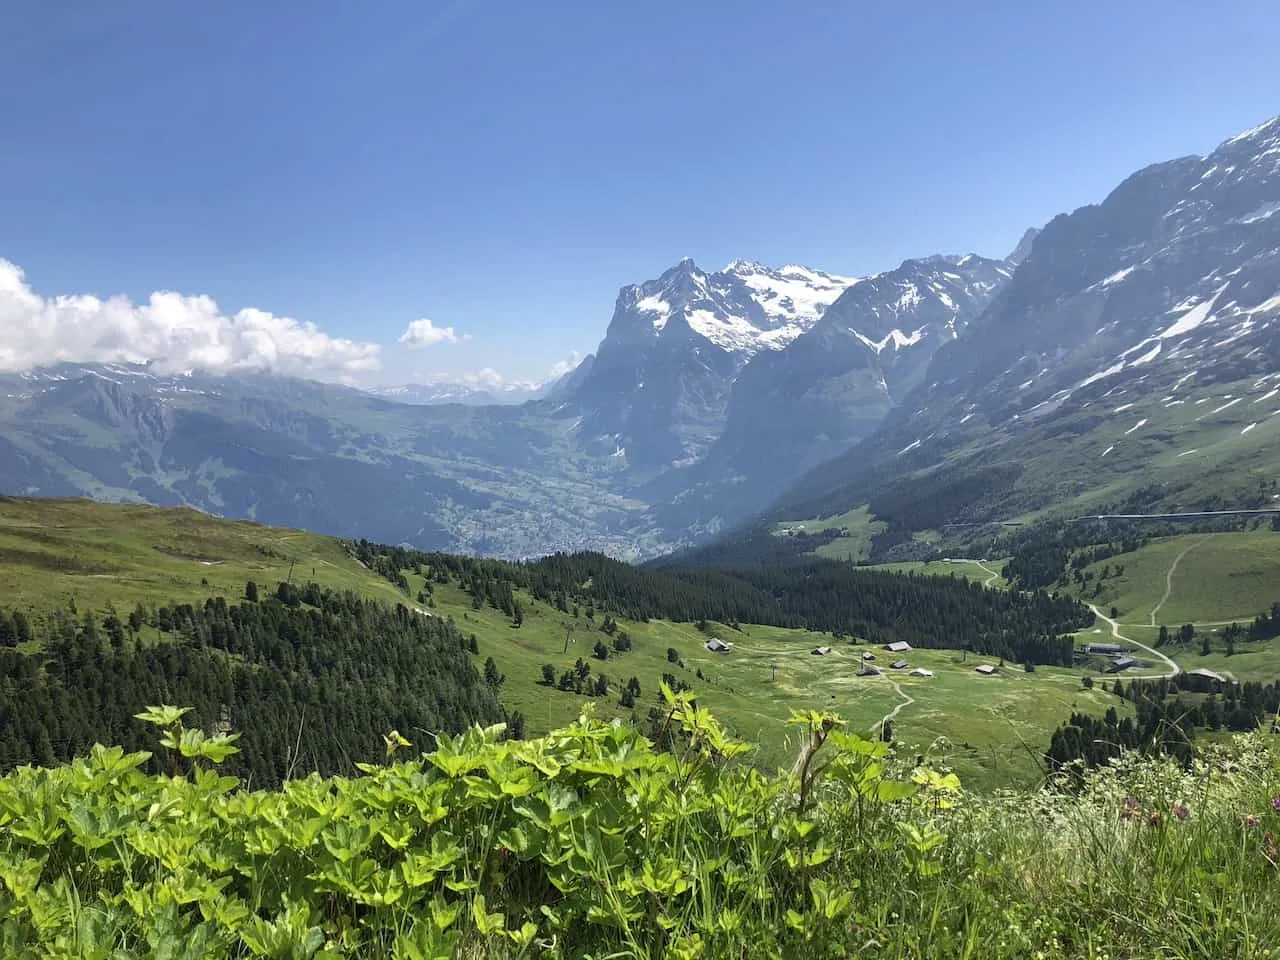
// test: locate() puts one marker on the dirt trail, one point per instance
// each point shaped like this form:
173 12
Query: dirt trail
995 574
906 701
1115 632
1168 581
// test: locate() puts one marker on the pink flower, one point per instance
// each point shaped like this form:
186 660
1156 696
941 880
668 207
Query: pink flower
1181 812
1251 820
1275 803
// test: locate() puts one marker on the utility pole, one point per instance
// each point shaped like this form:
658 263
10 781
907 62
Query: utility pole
568 629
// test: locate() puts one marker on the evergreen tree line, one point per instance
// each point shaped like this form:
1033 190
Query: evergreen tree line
881 607
1266 626
1169 711
310 684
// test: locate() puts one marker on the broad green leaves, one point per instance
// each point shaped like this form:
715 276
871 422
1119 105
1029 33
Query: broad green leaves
562 846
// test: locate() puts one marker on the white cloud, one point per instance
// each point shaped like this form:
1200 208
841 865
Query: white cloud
558 370
171 330
424 333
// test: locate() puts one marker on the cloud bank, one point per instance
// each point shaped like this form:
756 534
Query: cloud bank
173 331
424 333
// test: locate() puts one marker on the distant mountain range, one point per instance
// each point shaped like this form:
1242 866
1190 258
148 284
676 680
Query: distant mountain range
474 394
1126 352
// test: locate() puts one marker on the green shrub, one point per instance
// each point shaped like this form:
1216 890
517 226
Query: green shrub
593 842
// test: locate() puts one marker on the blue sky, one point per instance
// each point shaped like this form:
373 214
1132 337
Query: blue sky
501 168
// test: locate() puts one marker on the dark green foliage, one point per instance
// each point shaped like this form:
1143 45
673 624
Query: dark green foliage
1169 712
673 655
251 592
1040 565
492 676
330 679
1266 626
287 594
516 726
600 651
548 674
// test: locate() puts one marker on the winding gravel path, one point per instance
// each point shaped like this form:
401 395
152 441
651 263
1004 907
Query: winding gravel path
1174 669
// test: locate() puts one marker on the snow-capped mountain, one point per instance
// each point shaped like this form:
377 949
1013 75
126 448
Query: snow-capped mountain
791 409
744 308
1087 369
657 388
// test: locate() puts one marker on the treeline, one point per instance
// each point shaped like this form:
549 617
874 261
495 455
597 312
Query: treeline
1168 713
311 679
823 595
1266 626
1049 555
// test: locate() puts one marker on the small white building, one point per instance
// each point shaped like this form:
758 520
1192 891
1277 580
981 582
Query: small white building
820 651
898 646
716 645
921 672
986 669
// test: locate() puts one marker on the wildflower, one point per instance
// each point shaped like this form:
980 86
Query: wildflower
1181 812
1275 803
1154 819
1130 808
1251 820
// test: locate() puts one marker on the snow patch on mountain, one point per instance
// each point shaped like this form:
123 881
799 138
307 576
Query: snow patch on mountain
896 337
1116 277
1262 213
793 293
1192 319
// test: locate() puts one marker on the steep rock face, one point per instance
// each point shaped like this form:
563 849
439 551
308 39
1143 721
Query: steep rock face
1169 285
658 387
791 409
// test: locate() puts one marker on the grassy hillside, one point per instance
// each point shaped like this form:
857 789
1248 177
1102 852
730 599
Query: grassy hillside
53 552
1219 577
